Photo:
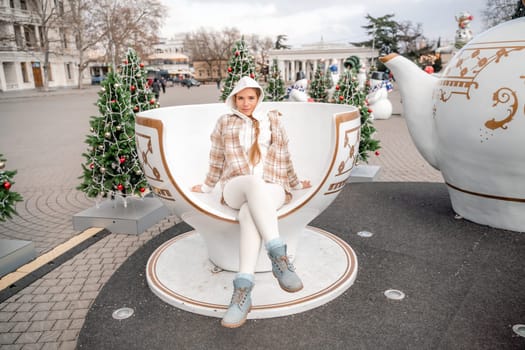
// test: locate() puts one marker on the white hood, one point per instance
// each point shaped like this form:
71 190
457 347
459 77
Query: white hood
243 83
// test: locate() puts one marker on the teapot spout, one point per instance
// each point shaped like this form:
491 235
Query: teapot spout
416 87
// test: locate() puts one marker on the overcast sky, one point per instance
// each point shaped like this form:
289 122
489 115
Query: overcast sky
308 21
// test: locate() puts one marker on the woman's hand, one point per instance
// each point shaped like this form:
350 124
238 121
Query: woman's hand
305 183
197 188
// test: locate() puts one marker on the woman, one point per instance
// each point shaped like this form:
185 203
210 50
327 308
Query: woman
249 157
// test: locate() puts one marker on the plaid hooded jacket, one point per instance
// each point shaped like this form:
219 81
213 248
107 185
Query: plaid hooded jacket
228 159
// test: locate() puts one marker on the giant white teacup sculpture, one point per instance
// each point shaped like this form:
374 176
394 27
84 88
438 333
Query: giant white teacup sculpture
470 123
174 143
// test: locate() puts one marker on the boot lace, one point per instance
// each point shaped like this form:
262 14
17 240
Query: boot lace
282 263
239 296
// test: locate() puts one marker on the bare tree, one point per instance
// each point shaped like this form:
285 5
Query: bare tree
86 34
211 47
126 24
48 13
260 47
498 11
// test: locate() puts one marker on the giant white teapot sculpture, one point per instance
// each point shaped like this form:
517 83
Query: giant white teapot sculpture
470 123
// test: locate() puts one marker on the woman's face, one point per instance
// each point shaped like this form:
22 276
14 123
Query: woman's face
246 101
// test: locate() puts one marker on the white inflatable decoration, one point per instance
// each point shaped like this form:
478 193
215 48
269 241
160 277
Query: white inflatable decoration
463 33
298 91
361 77
378 99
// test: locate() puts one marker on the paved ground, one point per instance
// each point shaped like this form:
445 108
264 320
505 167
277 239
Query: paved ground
42 135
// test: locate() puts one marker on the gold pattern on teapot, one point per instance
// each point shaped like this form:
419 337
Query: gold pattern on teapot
461 75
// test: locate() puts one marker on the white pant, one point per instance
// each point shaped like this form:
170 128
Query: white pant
257 202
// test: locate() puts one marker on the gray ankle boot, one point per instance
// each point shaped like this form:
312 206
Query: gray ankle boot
284 270
240 304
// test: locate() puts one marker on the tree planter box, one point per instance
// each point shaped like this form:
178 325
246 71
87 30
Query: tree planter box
15 253
364 173
135 218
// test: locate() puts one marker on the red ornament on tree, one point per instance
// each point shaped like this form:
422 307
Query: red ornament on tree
113 101
142 189
120 187
337 87
136 108
152 101
7 185
122 160
369 110
237 53
252 75
91 166
341 98
132 87
125 61
141 65
230 69
376 153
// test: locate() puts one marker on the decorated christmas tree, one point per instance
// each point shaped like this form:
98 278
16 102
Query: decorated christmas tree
112 167
275 89
319 86
347 91
241 64
133 76
8 197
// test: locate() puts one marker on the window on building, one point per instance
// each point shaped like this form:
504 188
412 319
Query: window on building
18 36
41 35
23 4
68 71
9 72
63 37
25 75
12 4
59 5
29 35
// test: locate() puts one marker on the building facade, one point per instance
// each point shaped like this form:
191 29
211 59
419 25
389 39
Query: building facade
22 48
169 56
307 58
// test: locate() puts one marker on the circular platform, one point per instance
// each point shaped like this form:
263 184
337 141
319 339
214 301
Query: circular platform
180 273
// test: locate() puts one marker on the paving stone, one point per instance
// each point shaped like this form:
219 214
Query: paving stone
51 346
22 316
50 336
40 326
63 305
68 345
69 335
28 337
59 315
20 327
79 313
41 298
77 323
12 347
42 307
8 338
73 288
6 326
55 289
71 296
61 325
40 315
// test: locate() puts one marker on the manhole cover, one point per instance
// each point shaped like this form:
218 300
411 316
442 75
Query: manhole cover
122 313
365 234
519 329
394 294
